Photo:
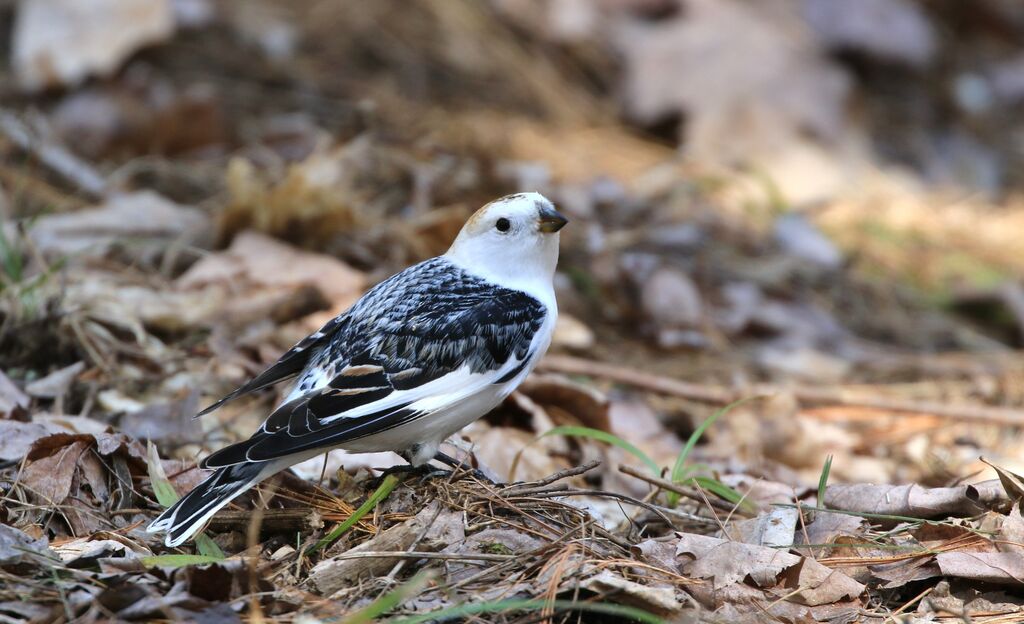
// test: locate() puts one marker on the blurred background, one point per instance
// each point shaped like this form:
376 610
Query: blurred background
817 201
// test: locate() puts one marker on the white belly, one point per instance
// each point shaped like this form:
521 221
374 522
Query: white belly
431 430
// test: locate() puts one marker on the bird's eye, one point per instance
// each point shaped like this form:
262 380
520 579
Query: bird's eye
503 224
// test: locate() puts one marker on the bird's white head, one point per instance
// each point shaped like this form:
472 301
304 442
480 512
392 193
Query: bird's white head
512 241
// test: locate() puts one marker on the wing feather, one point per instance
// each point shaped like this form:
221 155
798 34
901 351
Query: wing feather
416 344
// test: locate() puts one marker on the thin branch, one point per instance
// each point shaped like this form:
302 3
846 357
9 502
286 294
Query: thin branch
816 396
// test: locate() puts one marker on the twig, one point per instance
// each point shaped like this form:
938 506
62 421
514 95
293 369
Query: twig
415 543
519 488
672 487
275 521
910 602
53 156
819 396
399 554
657 509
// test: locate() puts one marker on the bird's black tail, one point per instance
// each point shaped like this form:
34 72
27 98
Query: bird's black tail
185 517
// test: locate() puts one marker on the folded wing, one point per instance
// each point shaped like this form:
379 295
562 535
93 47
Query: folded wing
402 353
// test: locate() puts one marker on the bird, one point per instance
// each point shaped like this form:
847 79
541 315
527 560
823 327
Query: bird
418 357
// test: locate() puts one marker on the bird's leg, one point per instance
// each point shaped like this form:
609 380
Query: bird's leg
457 465
401 468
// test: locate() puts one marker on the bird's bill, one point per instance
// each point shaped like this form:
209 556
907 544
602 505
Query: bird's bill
551 220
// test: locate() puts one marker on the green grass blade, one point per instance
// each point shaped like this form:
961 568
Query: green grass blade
392 599
378 495
478 608
207 547
604 436
861 514
166 496
679 471
178 561
823 481
725 492
162 488
10 257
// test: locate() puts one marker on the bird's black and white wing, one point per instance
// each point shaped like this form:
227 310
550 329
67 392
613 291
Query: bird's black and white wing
414 345
293 362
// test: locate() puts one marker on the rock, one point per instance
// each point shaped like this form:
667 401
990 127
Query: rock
571 333
670 299
802 239
890 30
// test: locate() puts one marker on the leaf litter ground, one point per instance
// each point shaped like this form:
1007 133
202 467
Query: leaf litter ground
150 266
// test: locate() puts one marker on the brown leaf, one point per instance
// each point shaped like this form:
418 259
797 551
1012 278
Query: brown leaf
62 42
900 500
57 383
826 527
568 402
499 448
658 600
1013 483
987 494
17 547
13 402
889 30
900 573
637 422
764 111
17 438
774 527
671 300
259 260
50 478
728 563
988 567
150 221
660 552
1011 532
571 333
170 423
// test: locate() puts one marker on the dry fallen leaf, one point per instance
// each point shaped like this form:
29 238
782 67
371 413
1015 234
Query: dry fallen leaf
144 223
989 567
727 563
258 260
658 600
13 402
16 547
889 30
17 438
1012 483
57 383
901 500
675 66
61 42
567 402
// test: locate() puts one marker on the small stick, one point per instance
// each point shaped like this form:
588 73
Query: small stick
817 396
402 554
53 156
415 543
274 521
518 488
672 487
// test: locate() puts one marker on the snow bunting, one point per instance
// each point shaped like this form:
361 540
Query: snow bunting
417 358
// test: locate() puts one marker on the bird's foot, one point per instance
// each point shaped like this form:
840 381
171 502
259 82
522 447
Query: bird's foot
444 472
397 470
460 466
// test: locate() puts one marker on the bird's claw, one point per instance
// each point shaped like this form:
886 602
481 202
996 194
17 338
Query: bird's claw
442 472
394 470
